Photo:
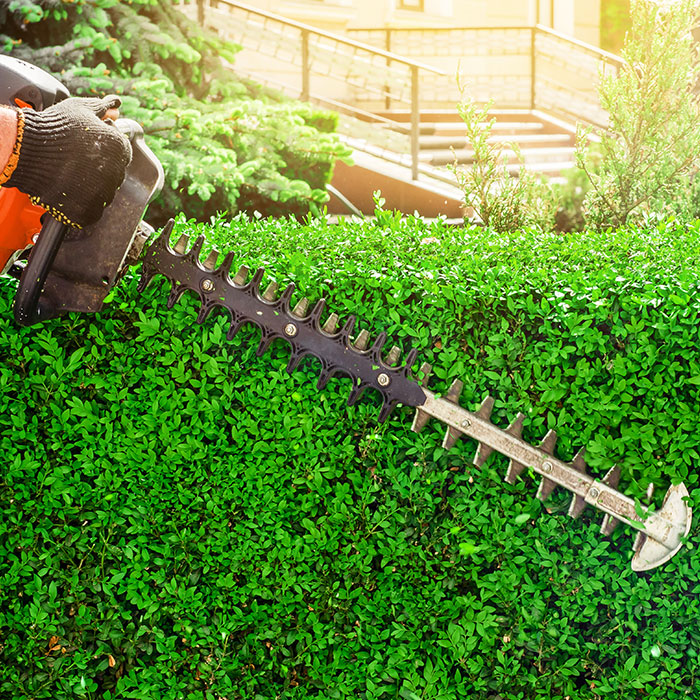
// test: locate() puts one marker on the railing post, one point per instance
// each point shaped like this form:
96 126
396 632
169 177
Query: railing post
200 12
533 67
415 122
387 46
305 91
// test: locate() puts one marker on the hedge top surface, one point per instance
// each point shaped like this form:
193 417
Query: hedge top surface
181 519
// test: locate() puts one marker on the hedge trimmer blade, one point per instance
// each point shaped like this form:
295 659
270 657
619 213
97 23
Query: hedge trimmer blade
660 533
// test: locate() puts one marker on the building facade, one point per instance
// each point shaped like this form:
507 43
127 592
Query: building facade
579 19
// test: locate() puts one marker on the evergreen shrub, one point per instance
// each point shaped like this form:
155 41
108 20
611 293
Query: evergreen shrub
226 144
181 519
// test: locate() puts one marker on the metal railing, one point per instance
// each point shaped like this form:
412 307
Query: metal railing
342 73
533 68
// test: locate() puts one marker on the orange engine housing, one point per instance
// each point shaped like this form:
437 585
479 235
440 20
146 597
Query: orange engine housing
19 222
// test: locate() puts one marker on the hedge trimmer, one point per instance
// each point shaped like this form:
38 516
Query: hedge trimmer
55 279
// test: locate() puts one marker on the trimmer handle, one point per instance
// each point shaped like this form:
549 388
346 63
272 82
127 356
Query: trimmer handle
27 309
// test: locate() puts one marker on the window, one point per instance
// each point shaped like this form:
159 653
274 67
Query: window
411 5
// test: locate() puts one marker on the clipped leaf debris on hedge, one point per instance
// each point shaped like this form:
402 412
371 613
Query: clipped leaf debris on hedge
182 519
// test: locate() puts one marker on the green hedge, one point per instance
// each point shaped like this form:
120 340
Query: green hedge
181 519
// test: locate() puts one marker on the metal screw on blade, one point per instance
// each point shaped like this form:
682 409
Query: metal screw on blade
547 467
383 379
466 423
290 329
594 493
207 285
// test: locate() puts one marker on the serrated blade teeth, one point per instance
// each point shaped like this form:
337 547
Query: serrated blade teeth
612 478
301 308
411 358
486 408
515 469
378 344
578 503
176 291
263 345
545 489
164 235
241 275
451 437
257 278
143 281
393 355
347 327
225 267
210 262
356 393
483 452
316 312
323 379
579 461
233 329
608 524
362 340
197 248
548 442
452 395
547 486
293 362
387 408
425 369
516 427
639 541
270 291
331 324
182 243
421 418
286 295
454 391
202 314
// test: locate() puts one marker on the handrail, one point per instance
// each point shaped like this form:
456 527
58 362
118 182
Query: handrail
339 38
379 73
359 52
544 93
606 55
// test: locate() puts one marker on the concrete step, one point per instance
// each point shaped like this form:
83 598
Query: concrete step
452 115
555 154
441 141
506 128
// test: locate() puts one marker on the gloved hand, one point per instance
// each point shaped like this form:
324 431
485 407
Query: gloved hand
68 160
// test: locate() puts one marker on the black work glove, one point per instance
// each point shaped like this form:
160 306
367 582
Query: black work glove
68 160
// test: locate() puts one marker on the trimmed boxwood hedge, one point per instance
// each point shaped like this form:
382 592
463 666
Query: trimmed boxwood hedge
181 519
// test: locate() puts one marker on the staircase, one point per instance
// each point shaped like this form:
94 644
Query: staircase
546 145
398 108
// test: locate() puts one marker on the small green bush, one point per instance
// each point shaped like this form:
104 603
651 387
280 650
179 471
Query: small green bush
652 144
181 519
499 200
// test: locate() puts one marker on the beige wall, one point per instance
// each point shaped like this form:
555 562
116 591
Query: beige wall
577 18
